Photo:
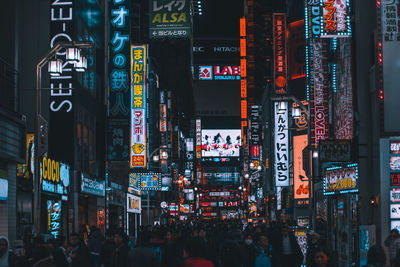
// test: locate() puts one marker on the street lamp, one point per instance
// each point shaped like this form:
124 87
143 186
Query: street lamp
55 69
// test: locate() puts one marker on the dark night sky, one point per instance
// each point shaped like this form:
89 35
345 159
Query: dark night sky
220 19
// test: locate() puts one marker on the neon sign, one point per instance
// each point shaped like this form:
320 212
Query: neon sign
280 64
138 106
335 19
54 217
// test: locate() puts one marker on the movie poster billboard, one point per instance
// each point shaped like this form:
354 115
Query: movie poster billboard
220 143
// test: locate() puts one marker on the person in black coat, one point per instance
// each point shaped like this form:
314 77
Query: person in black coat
79 255
143 255
121 251
290 254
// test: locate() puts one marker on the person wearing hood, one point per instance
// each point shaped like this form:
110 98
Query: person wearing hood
6 257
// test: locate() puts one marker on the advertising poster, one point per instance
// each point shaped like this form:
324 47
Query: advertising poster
341 179
318 83
280 56
394 211
169 19
138 106
300 182
395 195
133 203
390 19
281 146
301 238
54 217
343 97
394 163
220 143
150 181
335 19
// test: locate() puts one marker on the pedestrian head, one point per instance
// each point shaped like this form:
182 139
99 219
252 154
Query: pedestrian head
248 239
261 240
394 233
74 239
119 237
323 258
3 246
202 233
194 247
376 255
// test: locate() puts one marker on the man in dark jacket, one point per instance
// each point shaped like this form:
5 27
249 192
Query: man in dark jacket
121 251
79 255
143 255
95 242
289 249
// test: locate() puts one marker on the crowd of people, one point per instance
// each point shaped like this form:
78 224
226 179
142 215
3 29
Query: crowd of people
184 244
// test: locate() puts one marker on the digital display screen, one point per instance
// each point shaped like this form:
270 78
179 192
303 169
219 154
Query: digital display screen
220 143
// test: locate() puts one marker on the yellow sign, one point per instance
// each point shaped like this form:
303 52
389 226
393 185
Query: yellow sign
50 170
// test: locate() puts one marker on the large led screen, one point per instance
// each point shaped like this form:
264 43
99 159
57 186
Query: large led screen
220 143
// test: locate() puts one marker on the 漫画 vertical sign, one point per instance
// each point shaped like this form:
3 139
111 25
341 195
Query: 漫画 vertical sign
138 106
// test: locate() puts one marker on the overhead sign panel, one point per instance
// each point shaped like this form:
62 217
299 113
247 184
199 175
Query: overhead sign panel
342 179
169 19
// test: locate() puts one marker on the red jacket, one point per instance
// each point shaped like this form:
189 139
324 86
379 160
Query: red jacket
197 262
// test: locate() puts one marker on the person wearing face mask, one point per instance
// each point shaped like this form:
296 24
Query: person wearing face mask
248 252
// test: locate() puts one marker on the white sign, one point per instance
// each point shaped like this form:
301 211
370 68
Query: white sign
394 211
390 19
281 144
394 194
133 203
395 225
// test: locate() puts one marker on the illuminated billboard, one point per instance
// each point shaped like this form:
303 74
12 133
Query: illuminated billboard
150 181
280 61
169 19
219 72
55 176
300 183
342 179
220 143
335 18
318 81
138 106
54 222
281 144
343 92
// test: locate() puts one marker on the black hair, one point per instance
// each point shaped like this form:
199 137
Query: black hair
196 247
376 254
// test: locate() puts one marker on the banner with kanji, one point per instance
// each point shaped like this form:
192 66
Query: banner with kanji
138 106
119 90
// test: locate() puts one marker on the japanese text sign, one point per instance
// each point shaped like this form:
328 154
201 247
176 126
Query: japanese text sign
335 18
280 61
341 179
119 91
54 217
300 182
390 19
138 106
169 19
281 144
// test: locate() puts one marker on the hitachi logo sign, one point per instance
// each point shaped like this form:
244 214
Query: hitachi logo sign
226 49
